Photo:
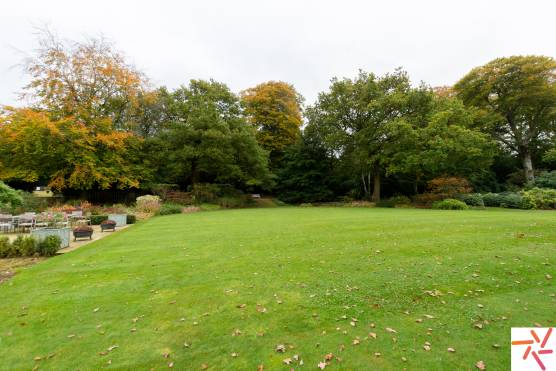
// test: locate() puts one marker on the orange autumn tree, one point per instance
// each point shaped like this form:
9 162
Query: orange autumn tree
66 153
78 132
85 80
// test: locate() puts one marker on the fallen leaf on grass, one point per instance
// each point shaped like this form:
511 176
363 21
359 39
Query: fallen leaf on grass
234 355
321 365
112 347
287 361
372 334
171 364
241 306
391 330
356 341
480 365
451 350
280 348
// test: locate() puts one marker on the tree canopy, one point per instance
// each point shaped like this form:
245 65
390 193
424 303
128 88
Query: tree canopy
274 109
518 96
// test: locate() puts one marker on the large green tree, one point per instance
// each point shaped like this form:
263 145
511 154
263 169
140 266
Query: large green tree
207 139
518 96
355 120
274 109
441 143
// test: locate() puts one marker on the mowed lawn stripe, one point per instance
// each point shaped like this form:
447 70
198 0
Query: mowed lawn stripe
302 274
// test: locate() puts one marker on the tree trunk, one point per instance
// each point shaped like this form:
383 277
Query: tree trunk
376 186
528 166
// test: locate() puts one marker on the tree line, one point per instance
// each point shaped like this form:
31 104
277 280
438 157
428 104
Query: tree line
96 122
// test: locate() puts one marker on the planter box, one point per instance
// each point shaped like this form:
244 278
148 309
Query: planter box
107 227
82 234
63 233
120 219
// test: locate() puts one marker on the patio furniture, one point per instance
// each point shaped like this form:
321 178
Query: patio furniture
24 222
6 223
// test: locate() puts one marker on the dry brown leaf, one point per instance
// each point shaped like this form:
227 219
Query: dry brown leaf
451 350
391 330
372 334
480 365
280 348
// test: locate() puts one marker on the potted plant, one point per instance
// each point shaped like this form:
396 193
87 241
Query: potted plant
107 225
52 224
83 231
117 213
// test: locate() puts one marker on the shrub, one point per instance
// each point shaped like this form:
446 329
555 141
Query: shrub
491 199
5 247
9 197
385 203
235 202
24 246
427 198
546 179
539 198
148 204
131 219
449 186
400 200
510 200
450 204
98 219
306 204
472 199
49 246
205 193
167 209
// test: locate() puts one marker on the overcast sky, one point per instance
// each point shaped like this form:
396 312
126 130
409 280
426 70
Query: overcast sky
305 43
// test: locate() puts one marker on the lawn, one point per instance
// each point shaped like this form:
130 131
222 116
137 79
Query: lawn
365 288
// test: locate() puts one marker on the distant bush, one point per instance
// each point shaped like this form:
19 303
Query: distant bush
235 202
449 186
385 203
511 200
30 202
539 198
168 209
148 204
9 197
205 193
427 198
546 179
400 200
472 199
450 204
131 219
97 219
306 204
49 246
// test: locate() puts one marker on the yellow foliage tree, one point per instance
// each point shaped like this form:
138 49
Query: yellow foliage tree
274 109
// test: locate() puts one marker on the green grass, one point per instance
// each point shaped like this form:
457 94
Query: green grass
181 278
